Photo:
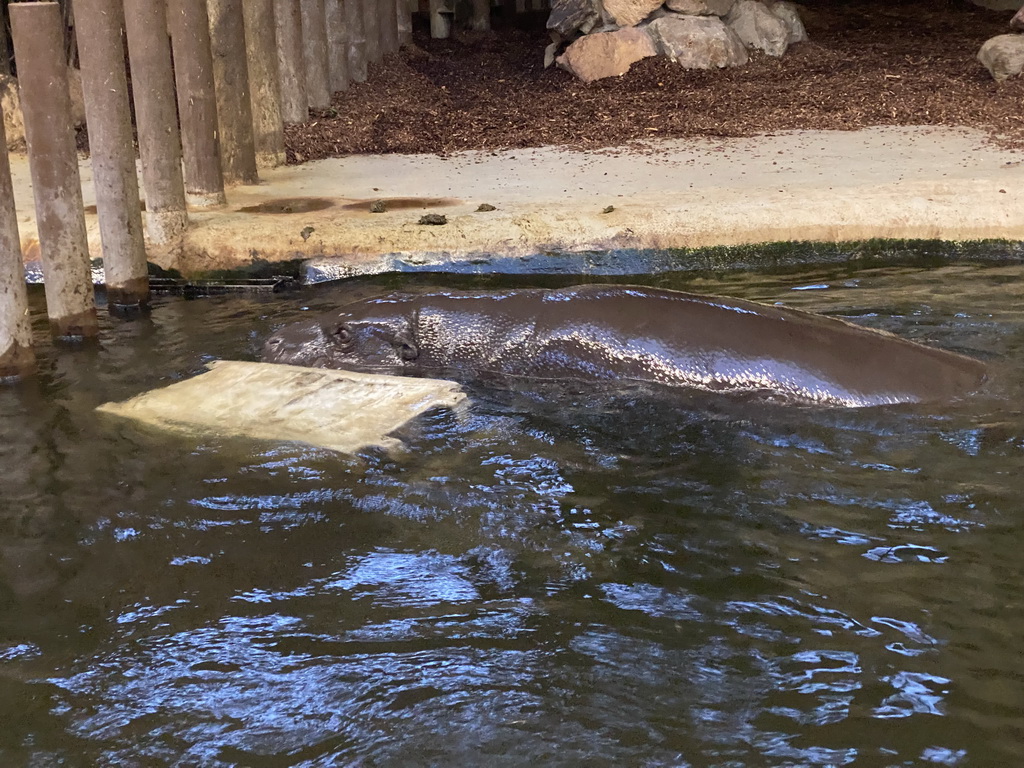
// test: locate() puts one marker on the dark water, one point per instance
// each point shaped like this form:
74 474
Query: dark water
599 579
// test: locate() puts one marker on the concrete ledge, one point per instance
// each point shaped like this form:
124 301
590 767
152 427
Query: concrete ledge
893 183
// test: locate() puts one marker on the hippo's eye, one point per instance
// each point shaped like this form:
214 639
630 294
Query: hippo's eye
408 351
406 347
343 335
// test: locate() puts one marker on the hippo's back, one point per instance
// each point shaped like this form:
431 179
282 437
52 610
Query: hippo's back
681 339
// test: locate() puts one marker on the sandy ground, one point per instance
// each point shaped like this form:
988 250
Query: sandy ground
899 182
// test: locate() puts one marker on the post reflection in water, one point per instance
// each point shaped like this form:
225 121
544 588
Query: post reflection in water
555 576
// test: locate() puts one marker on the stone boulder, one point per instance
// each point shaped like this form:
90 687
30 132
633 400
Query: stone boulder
758 28
629 13
697 42
701 7
606 54
1003 56
789 15
568 17
14 125
1017 22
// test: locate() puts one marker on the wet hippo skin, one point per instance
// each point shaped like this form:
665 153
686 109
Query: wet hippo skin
628 333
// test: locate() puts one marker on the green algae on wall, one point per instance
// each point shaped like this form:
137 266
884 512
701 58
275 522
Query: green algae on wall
764 257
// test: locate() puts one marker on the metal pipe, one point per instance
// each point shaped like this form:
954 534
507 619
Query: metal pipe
53 161
111 151
156 117
337 45
264 85
356 41
16 356
231 86
290 64
197 103
314 53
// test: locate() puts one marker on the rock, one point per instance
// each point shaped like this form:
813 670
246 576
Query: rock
433 219
789 15
378 206
758 27
606 54
14 124
552 48
701 7
629 13
1003 56
697 42
1017 22
569 16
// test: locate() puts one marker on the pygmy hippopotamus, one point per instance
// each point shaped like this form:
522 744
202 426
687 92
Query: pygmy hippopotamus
628 333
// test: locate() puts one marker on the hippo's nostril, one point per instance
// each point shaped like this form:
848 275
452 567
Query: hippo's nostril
273 341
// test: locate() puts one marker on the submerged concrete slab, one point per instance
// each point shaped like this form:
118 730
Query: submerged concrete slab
339 410
890 182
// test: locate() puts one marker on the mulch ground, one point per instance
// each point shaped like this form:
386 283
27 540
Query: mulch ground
866 64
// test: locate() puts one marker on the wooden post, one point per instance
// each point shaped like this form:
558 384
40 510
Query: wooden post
231 86
314 53
156 116
356 41
371 31
290 63
197 103
481 21
404 22
16 355
111 151
337 44
388 26
264 84
508 12
5 52
440 24
53 161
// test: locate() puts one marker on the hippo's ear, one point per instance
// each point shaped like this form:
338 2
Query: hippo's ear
406 347
340 334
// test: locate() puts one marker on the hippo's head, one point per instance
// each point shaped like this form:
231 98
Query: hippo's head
369 336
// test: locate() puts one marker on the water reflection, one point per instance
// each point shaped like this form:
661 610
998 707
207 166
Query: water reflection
553 577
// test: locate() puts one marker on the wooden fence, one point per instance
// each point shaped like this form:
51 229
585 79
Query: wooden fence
213 83
215 116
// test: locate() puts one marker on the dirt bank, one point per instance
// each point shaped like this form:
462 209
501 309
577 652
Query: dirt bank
867 64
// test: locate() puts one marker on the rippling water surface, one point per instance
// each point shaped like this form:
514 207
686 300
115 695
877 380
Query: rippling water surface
553 578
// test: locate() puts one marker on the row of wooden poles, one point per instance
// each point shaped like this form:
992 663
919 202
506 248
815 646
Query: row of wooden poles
213 82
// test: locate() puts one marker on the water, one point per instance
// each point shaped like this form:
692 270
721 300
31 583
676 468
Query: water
605 579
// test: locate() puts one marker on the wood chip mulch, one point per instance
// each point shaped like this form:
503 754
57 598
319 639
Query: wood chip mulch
867 64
